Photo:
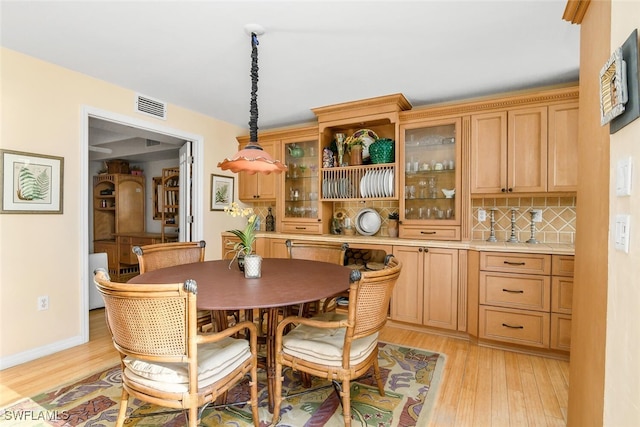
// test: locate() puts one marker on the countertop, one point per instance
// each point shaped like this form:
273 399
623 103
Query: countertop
477 245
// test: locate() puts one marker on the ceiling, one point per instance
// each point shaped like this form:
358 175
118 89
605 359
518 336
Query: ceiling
196 54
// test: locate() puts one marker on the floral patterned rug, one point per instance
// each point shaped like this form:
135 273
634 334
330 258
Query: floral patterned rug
411 376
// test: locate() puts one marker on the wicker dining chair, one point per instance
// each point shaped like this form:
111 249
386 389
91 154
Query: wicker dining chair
164 360
161 255
335 346
317 251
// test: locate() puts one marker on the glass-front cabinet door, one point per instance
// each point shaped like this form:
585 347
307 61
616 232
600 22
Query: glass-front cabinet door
430 156
301 211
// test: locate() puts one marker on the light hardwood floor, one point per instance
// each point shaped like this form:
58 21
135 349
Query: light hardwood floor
480 386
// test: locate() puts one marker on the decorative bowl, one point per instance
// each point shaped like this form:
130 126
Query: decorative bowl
382 151
449 193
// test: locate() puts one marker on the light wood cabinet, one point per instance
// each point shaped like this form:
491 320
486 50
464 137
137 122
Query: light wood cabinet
525 299
259 187
561 301
563 147
301 210
509 151
431 158
427 291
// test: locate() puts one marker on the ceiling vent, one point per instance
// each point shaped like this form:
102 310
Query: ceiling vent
151 107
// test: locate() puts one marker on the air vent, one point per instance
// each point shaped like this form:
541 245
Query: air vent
151 107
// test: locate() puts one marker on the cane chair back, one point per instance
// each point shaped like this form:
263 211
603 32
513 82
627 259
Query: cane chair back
161 255
336 346
317 251
165 361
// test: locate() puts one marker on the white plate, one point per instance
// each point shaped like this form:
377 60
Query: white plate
368 222
390 183
378 188
385 188
367 178
381 183
363 193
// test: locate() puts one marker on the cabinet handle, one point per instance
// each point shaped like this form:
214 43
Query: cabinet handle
504 190
420 249
510 190
512 327
512 291
301 228
428 232
514 263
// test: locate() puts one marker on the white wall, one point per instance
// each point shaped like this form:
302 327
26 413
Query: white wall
622 373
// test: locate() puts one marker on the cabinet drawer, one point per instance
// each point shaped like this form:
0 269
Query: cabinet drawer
515 263
429 233
125 240
302 227
561 294
560 332
562 265
529 292
522 327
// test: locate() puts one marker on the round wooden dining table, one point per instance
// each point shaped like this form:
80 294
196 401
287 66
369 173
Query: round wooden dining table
284 282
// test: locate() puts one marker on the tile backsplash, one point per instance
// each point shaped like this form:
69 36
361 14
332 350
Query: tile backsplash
558 216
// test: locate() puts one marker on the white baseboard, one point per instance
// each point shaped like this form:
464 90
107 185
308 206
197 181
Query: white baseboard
36 353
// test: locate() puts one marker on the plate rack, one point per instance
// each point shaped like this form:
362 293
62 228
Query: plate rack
360 182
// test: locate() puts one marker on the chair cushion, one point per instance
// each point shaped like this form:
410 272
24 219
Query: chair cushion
215 360
324 346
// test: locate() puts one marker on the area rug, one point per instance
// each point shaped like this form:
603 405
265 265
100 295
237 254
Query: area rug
411 377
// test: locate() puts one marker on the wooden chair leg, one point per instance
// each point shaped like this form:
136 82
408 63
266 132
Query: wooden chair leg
122 413
277 394
377 376
346 401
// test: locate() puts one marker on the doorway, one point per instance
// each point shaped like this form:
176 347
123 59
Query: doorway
148 145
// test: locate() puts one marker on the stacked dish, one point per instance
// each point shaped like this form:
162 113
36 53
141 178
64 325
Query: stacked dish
377 183
368 222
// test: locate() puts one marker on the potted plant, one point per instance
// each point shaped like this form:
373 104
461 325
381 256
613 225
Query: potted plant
243 250
392 227
136 170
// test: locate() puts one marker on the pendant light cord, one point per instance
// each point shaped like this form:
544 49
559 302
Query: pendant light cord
253 117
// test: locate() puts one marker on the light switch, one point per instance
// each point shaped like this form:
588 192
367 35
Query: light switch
623 177
622 233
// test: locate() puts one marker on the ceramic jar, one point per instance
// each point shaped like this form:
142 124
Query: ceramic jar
382 151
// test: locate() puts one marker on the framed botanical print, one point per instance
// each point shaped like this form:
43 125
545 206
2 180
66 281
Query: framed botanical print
221 192
31 183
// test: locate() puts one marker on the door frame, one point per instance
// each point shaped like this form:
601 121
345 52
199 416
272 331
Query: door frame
196 188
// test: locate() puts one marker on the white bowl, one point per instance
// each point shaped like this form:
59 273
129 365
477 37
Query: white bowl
448 193
368 222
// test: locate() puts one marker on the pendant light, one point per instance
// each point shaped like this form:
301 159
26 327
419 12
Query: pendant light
252 158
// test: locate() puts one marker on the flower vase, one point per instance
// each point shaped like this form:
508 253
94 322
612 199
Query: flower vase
392 228
252 266
240 261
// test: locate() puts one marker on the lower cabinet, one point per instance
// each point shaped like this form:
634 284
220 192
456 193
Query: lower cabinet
427 291
525 299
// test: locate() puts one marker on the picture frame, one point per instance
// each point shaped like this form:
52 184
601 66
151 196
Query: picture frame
31 183
613 87
221 192
632 107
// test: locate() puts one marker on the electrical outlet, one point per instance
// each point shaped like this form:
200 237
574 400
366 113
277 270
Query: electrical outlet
43 302
537 215
482 215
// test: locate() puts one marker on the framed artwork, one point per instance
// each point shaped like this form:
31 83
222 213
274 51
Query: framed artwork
632 107
613 87
221 192
31 183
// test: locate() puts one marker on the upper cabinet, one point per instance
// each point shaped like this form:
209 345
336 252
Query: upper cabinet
301 210
431 185
526 150
563 147
368 171
259 187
